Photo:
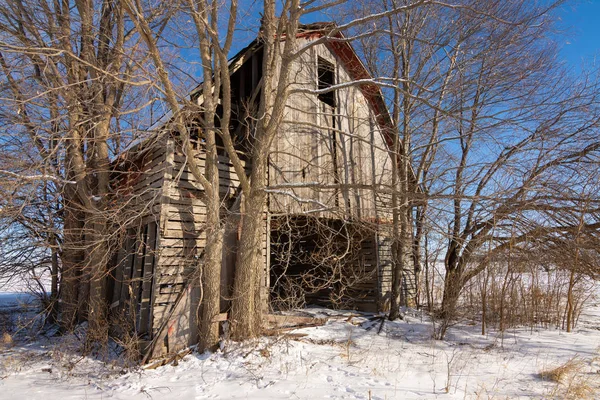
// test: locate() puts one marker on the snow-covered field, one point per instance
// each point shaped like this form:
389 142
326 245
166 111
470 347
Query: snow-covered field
345 359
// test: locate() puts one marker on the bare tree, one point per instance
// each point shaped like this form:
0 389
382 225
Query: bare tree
489 120
511 139
70 67
215 90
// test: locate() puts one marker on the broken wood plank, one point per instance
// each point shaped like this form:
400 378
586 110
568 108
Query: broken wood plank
276 321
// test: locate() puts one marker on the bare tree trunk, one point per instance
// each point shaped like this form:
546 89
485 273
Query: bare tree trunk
99 253
484 288
429 284
97 304
277 59
505 284
452 289
72 262
55 271
398 245
246 304
211 275
417 251
211 280
570 302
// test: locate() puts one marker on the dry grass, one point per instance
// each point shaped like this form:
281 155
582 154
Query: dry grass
560 373
6 340
579 389
6 329
572 381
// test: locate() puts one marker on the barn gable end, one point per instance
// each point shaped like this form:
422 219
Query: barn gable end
330 154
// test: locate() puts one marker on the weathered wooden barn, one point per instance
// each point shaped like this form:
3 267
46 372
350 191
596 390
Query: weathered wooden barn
326 228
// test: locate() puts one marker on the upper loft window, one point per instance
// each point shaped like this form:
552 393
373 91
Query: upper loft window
326 79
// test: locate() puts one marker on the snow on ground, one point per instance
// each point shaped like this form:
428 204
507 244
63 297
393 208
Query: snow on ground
345 359
15 299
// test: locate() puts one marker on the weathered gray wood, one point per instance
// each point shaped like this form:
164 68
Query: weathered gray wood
128 266
118 274
182 252
174 209
201 157
148 271
179 230
152 181
138 264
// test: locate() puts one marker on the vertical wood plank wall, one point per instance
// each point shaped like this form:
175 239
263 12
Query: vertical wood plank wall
319 147
140 193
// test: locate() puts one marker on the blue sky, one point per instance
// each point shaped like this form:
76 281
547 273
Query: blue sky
582 41
580 21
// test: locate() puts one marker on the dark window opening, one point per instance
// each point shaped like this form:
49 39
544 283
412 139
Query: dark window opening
326 80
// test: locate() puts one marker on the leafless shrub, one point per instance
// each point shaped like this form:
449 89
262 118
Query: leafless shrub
125 336
508 296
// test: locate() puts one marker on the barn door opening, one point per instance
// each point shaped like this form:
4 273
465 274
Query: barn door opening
322 261
134 279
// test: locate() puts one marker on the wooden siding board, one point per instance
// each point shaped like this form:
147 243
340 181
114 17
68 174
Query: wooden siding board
147 280
128 266
138 266
118 273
